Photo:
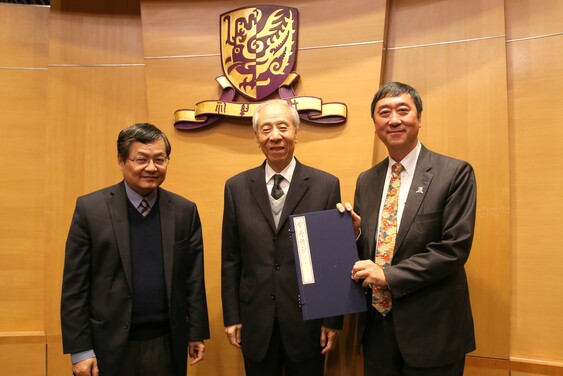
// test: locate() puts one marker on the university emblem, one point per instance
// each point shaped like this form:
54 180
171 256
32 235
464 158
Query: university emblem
258 52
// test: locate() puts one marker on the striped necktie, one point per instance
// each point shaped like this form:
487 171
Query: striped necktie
144 208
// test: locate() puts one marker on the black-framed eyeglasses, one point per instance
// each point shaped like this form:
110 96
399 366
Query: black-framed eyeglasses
144 161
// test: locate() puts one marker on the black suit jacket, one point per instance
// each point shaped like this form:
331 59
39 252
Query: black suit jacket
431 308
259 281
96 302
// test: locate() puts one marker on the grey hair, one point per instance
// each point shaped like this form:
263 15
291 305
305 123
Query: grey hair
292 111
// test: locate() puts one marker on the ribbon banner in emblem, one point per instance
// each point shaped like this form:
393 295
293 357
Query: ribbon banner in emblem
258 51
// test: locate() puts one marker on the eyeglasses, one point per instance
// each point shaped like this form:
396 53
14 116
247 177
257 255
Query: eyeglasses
144 161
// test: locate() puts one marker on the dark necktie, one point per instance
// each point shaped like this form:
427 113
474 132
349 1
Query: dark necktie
277 191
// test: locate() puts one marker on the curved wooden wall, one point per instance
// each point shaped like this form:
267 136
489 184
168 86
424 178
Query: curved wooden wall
23 122
73 75
339 59
534 36
96 88
454 53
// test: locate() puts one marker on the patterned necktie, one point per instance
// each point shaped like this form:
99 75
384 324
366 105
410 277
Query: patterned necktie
277 191
381 298
144 208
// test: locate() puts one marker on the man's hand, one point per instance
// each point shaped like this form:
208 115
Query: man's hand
356 220
196 351
329 337
86 367
233 333
371 274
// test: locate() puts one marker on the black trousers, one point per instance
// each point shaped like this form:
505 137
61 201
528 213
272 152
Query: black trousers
151 357
382 356
277 363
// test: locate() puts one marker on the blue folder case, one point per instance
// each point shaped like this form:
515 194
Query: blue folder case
325 250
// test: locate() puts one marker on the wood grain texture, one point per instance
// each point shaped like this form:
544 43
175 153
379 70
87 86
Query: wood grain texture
536 137
528 18
22 359
23 102
90 32
418 22
90 101
24 36
486 101
203 160
463 88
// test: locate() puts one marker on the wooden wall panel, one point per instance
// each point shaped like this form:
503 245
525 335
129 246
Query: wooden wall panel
534 368
463 87
23 99
183 58
96 88
528 18
67 118
536 138
419 22
23 355
180 28
23 36
476 366
23 108
90 32
88 107
23 78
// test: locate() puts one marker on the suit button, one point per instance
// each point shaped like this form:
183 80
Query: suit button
126 325
277 266
273 296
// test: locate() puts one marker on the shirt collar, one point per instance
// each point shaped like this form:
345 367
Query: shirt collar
287 172
136 198
408 162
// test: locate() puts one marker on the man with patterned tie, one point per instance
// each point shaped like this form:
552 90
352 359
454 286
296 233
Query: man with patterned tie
414 215
259 283
133 295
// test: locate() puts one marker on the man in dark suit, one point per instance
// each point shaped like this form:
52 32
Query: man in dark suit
424 326
133 295
259 283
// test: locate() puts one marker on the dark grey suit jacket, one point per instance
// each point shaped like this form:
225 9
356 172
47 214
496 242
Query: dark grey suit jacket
259 281
431 308
96 302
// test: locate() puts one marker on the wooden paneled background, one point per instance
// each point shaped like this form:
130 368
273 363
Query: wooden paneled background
489 72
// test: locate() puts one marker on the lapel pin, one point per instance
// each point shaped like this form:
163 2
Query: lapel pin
419 190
